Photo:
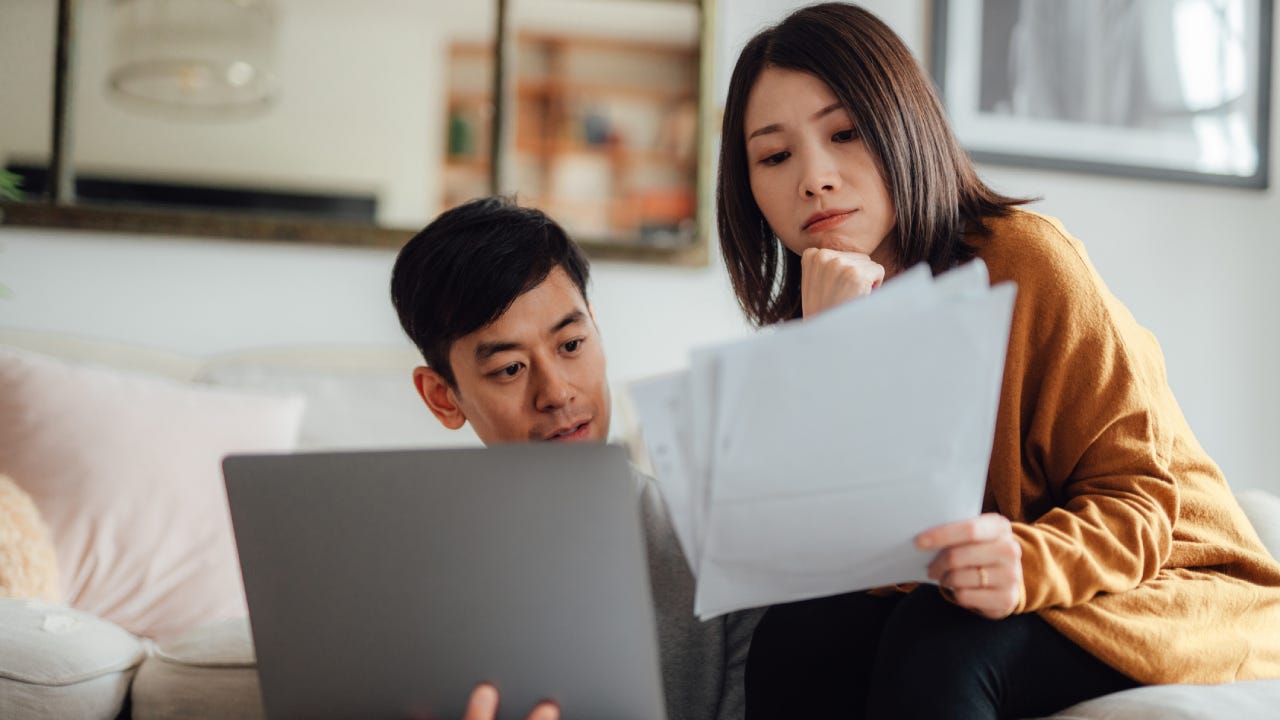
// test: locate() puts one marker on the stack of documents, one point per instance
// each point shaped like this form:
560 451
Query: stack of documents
803 461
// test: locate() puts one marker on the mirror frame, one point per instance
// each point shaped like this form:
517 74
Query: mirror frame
59 209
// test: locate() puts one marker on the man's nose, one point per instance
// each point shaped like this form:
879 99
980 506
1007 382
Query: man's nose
554 390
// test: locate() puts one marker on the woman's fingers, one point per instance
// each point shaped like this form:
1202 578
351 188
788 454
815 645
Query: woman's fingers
977 578
998 552
978 565
990 603
832 277
985 527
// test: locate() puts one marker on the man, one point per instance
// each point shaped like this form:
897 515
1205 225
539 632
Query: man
495 297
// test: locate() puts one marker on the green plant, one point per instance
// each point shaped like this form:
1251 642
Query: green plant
10 189
10 185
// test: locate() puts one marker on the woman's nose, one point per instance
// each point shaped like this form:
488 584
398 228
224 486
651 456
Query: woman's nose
820 175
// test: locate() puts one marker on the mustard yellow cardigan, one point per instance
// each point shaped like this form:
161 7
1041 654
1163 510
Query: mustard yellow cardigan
1133 545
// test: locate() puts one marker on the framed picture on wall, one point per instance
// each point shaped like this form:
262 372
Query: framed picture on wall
1167 89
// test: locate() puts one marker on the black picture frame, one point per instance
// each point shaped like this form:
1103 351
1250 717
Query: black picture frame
1176 91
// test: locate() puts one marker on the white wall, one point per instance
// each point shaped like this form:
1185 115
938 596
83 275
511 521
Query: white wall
1195 264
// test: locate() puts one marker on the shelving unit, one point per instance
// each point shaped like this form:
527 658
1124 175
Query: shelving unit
468 121
605 135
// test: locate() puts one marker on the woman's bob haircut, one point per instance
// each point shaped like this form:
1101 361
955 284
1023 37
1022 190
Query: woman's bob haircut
937 195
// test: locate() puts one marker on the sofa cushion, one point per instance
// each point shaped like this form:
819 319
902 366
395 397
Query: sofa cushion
57 662
1263 510
357 397
209 672
126 471
1251 700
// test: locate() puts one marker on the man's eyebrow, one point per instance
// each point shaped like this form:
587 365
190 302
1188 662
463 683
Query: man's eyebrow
567 320
776 127
486 350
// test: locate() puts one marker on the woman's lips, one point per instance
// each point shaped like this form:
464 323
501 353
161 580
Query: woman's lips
826 221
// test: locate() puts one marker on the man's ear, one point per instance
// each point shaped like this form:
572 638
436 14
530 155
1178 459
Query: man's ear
439 397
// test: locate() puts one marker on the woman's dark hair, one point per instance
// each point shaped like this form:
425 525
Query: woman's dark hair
937 195
466 268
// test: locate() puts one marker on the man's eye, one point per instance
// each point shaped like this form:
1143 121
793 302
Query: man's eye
573 345
775 158
511 370
845 136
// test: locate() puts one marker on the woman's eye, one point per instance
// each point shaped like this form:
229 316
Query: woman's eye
775 158
845 136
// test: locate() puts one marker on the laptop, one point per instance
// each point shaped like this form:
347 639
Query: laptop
387 584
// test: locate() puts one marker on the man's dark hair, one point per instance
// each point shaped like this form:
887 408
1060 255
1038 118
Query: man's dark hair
462 271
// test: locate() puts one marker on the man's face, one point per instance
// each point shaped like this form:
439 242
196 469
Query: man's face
536 373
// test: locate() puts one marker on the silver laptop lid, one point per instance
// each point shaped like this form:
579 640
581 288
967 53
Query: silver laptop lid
387 584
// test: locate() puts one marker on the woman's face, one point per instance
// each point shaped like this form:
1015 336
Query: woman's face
814 179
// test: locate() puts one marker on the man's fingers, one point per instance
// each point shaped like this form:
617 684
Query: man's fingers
987 527
545 711
483 704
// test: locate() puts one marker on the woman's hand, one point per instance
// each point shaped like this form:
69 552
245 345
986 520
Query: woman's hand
483 705
979 564
831 277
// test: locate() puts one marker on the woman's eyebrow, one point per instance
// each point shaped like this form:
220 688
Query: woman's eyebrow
827 110
765 131
778 126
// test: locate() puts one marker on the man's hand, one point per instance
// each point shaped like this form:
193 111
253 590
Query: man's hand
831 277
979 564
483 705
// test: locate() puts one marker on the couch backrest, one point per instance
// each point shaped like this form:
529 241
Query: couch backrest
1263 510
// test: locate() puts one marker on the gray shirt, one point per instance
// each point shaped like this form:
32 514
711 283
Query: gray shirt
703 663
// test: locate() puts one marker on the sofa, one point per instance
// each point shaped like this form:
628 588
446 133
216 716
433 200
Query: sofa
119 447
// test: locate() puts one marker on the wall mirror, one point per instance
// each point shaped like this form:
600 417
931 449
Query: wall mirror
357 121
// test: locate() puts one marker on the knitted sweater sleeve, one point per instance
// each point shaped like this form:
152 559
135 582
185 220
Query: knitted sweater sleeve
1085 473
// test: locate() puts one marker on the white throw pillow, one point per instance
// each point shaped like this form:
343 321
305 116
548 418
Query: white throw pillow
56 662
126 471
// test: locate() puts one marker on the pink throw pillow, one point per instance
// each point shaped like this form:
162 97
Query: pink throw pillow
126 471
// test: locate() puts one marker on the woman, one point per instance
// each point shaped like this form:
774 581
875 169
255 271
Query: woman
1111 552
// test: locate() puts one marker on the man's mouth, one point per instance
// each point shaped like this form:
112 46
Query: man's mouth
571 433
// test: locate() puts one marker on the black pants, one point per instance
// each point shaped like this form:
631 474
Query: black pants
914 656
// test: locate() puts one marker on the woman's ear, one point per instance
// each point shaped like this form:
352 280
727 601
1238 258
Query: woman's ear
439 397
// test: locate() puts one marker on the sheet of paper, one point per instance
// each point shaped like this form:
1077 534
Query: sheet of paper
663 403
816 453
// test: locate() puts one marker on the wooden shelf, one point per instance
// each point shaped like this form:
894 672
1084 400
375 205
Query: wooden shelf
639 99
